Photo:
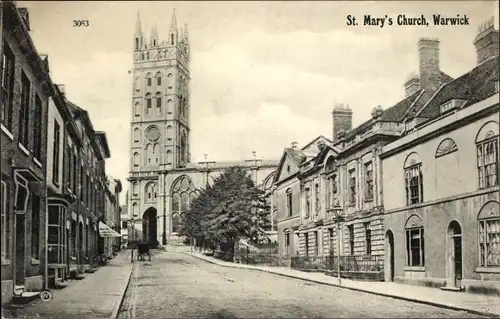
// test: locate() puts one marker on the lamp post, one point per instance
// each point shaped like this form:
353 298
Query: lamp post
131 240
338 218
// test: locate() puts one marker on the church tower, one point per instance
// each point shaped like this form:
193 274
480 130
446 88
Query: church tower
160 112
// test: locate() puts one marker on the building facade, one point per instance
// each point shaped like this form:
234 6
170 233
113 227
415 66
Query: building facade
113 216
162 179
442 217
24 95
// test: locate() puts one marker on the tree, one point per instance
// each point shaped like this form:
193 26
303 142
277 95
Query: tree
226 211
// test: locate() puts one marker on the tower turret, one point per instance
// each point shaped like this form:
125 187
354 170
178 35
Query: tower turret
154 37
138 37
173 34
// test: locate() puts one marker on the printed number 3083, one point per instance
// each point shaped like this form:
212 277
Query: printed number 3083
81 23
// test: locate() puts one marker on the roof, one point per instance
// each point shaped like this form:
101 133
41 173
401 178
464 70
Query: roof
474 86
104 143
316 139
395 113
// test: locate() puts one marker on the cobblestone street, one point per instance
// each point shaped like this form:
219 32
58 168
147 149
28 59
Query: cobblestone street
176 285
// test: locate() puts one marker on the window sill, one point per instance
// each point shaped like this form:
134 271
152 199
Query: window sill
415 268
25 151
35 261
9 135
37 162
5 262
492 270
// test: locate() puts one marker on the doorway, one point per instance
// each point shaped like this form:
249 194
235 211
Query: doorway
454 252
20 249
149 227
389 256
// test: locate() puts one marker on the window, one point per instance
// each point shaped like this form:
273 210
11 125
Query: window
446 146
415 246
24 111
413 182
69 162
158 79
288 169
368 181
35 226
183 191
172 39
5 219
170 80
148 76
368 239
56 245
55 154
37 134
331 237
496 86
316 198
447 106
306 237
350 229
137 135
137 109
136 159
7 85
316 243
148 103
82 190
489 235
352 187
289 202
124 225
158 103
137 43
151 192
308 202
487 156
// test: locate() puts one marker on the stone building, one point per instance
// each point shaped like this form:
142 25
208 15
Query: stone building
440 182
24 92
162 179
287 194
112 216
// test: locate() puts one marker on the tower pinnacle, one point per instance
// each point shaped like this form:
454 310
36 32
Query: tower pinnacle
173 25
138 29
186 37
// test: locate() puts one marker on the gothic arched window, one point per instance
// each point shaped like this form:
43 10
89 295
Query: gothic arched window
158 78
170 106
148 103
135 188
151 192
183 147
136 159
169 157
148 77
158 103
182 193
169 133
170 79
137 109
137 135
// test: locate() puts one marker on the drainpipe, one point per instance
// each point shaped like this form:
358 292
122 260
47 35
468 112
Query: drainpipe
46 257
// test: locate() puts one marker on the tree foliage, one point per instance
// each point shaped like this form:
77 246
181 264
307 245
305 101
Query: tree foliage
229 209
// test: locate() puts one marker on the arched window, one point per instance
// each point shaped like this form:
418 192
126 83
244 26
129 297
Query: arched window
489 234
169 157
415 251
142 56
135 209
148 103
136 159
308 202
137 109
137 83
182 192
487 144
183 147
158 78
170 106
289 202
170 80
446 146
156 154
151 192
137 43
149 153
135 188
147 58
169 133
286 241
413 179
148 76
158 103
137 135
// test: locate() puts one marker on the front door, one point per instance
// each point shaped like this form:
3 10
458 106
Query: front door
457 254
20 249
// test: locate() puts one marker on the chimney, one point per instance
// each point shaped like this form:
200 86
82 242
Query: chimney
62 88
294 145
487 41
412 84
428 53
342 119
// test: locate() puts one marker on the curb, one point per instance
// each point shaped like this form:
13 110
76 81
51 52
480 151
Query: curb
116 308
425 302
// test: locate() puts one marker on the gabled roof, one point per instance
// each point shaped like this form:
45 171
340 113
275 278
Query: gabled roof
474 86
321 137
297 157
324 153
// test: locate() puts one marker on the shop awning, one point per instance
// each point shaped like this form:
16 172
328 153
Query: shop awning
105 231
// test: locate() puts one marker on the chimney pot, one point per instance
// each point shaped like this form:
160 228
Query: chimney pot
487 41
294 145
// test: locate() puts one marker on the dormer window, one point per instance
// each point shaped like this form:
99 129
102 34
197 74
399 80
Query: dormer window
445 107
496 86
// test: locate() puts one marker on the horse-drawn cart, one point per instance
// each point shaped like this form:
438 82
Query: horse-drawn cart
143 250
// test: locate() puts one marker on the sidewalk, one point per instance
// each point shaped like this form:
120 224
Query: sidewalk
97 296
473 303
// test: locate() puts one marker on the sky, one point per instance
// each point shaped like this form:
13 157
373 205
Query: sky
264 74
